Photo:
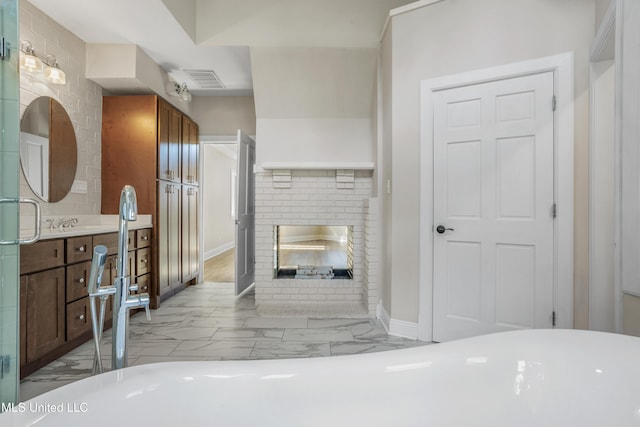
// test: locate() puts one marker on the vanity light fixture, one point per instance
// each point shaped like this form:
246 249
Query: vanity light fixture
29 62
179 90
32 65
52 73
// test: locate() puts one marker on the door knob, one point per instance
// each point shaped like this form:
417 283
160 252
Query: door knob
441 229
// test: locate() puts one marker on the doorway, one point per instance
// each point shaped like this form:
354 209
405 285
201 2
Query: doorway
228 236
493 256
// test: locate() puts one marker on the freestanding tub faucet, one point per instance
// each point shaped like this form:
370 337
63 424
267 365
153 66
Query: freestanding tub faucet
123 301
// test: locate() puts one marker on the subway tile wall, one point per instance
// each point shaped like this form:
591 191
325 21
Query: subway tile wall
81 98
316 197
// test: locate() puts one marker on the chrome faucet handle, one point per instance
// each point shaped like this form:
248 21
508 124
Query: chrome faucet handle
73 221
143 300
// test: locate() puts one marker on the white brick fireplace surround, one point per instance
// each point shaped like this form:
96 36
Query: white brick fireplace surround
316 197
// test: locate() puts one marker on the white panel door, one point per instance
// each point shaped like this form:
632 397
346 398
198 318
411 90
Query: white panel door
493 207
245 213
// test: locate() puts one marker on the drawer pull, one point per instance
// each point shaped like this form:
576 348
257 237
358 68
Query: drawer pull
145 237
144 260
81 317
81 280
82 248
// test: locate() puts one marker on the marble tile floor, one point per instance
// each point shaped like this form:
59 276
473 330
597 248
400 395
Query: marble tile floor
207 322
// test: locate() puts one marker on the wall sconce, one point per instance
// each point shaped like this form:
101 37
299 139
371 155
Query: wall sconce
179 90
53 73
32 65
29 62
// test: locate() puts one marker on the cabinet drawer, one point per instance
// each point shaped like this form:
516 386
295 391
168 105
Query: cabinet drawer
79 249
144 282
77 279
110 240
41 255
143 261
143 238
78 318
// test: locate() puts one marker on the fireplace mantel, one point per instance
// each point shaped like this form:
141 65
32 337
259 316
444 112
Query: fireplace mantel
317 166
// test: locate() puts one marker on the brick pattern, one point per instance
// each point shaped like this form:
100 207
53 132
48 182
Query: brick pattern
370 291
313 197
81 98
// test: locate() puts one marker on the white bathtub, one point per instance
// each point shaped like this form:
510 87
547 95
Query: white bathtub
529 378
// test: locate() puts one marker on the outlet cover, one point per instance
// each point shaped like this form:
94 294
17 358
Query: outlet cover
79 187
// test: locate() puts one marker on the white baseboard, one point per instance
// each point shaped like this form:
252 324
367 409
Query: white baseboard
398 328
220 249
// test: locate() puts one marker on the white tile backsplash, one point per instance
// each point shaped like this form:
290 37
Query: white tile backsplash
80 97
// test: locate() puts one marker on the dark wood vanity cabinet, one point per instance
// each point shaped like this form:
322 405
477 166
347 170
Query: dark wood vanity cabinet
54 301
149 144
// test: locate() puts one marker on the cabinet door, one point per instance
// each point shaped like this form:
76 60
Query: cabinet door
190 243
190 151
23 321
168 235
169 135
45 312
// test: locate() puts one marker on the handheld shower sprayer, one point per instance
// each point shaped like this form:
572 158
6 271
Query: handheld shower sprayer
95 291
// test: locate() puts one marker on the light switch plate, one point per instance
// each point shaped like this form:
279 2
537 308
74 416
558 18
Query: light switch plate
79 187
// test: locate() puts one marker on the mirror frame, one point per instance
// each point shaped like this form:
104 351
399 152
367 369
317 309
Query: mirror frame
48 149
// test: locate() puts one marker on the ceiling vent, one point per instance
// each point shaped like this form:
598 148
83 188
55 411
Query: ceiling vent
204 79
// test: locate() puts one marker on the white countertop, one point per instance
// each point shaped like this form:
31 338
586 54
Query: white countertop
87 224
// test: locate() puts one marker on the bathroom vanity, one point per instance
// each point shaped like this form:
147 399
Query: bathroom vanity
54 302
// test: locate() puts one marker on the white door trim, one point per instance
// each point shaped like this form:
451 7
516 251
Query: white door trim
562 67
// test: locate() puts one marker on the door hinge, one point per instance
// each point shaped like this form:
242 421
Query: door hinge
554 211
553 319
4 48
553 103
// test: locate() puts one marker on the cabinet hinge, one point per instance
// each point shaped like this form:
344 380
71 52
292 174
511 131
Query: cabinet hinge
4 48
553 103
553 319
554 211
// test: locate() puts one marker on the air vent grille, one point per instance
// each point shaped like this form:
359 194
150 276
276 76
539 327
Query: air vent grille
204 79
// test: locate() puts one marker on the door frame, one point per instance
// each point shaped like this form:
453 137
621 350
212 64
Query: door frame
562 67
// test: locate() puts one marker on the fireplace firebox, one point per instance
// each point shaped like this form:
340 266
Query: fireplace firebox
313 252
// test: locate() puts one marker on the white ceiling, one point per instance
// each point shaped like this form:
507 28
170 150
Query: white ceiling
234 23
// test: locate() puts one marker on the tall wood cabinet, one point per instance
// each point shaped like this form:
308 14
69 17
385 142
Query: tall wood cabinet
149 144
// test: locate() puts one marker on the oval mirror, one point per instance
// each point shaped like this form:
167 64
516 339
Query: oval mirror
48 152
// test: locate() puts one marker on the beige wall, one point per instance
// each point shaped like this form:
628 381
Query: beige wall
81 98
384 172
459 36
313 104
218 227
224 115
